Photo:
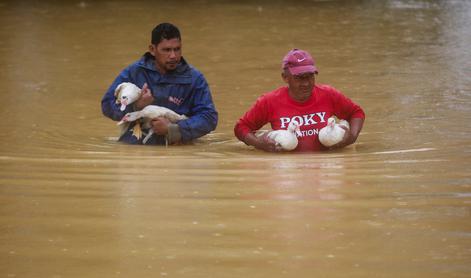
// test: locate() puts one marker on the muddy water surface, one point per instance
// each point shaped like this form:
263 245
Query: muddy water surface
75 203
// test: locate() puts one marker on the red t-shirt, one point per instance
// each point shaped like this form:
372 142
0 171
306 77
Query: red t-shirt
278 109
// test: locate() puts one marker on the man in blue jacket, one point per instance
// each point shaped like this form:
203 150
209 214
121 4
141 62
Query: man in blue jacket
166 80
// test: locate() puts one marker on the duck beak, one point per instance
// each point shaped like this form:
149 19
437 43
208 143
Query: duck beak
298 132
124 103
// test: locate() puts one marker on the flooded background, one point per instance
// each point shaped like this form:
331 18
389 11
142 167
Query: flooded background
75 203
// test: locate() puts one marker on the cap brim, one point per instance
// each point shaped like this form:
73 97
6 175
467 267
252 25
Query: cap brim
302 69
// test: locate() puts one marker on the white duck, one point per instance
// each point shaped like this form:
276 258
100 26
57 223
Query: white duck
332 133
147 114
286 139
126 93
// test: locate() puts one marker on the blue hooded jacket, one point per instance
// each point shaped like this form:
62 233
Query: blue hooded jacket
183 90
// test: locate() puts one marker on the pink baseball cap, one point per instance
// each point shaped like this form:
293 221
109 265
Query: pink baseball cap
298 61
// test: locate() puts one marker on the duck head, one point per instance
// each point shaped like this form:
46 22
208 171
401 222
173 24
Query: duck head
129 117
331 121
126 93
124 102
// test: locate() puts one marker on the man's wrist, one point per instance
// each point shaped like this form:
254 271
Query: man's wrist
174 135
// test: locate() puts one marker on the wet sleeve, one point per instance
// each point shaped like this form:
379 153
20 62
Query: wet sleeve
255 118
109 107
203 115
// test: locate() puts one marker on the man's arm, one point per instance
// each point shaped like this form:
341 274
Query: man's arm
203 116
251 121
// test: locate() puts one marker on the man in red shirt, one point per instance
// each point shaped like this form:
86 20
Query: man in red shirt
302 100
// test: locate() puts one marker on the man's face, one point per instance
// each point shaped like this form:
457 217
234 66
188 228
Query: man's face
167 53
300 86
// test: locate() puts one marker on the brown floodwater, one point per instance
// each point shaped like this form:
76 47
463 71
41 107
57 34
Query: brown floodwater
76 203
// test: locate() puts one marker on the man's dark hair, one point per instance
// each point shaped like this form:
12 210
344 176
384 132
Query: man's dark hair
165 31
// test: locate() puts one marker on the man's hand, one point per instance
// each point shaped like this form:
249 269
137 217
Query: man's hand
263 142
145 99
160 125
